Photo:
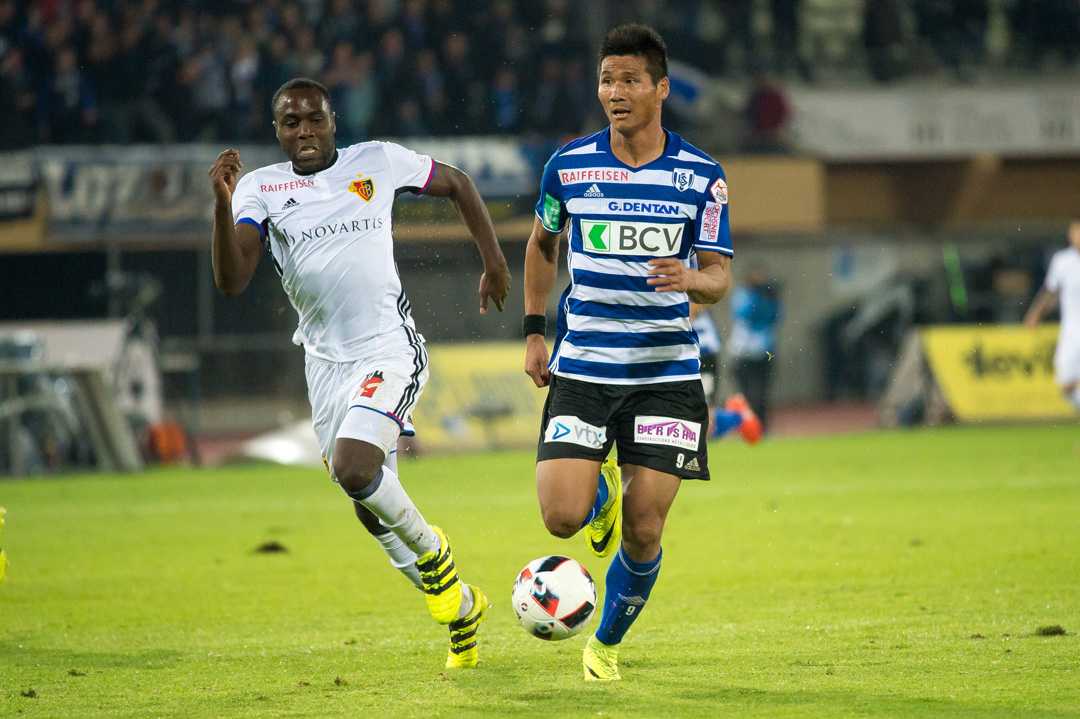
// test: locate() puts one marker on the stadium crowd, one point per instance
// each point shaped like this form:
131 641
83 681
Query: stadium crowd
85 71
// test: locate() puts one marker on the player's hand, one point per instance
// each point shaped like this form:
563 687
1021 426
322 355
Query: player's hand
223 175
496 285
668 274
536 360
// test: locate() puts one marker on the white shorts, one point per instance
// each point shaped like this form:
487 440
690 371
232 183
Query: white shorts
1067 363
371 400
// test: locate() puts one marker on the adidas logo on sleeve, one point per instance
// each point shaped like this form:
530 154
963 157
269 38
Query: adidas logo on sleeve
593 191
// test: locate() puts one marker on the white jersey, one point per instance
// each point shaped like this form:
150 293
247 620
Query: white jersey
329 234
1063 278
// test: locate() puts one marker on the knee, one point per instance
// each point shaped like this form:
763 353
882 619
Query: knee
560 522
355 475
642 534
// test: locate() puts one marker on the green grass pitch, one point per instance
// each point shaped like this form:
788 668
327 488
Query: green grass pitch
887 574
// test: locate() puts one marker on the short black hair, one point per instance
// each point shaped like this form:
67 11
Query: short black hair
300 83
640 40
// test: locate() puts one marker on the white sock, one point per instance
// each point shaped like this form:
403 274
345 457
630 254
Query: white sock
388 501
1075 397
402 558
466 600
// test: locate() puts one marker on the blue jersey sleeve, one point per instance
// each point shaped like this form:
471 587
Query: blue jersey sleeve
551 209
711 229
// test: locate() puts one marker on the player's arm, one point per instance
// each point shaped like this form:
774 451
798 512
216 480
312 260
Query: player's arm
706 285
236 247
541 270
1045 301
448 181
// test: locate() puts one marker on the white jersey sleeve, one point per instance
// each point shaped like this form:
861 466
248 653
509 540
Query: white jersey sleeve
248 206
409 170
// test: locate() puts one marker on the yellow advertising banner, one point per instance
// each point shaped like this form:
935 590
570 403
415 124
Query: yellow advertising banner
996 371
478 397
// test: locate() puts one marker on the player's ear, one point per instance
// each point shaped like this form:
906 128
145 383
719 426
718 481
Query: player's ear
663 88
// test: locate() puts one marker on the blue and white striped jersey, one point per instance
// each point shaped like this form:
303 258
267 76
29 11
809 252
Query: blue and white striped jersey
613 327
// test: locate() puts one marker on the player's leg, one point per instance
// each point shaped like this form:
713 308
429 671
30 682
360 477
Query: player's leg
362 445
635 568
660 434
737 413
576 488
1067 371
401 557
330 386
568 489
1072 394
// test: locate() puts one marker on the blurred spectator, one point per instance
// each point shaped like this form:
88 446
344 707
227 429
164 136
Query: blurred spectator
955 30
243 73
414 24
16 102
208 74
432 89
785 35
408 121
356 98
756 311
504 98
738 38
308 59
767 113
188 69
68 109
341 24
883 39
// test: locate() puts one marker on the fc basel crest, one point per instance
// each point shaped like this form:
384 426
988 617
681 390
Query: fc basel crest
364 187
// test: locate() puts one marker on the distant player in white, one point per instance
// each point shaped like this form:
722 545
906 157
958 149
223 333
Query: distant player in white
1062 286
325 219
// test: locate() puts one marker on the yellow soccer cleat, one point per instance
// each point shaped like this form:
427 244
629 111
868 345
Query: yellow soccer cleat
601 662
603 532
463 650
442 587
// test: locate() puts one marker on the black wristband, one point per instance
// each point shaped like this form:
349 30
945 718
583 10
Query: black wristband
533 325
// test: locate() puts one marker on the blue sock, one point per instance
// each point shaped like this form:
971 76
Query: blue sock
723 421
628 586
601 497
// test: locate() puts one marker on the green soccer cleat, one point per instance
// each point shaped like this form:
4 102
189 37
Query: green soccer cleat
601 662
603 532
442 587
463 650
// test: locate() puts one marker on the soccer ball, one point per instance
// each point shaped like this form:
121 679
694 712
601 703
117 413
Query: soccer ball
554 597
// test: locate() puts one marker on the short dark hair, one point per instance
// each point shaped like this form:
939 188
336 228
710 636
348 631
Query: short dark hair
640 40
300 83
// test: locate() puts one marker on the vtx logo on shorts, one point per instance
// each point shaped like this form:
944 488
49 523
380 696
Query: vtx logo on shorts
566 428
632 238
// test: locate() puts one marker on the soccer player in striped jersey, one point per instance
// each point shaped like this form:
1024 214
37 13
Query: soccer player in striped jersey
324 218
637 203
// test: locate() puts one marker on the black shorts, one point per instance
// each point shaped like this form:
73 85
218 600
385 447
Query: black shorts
660 426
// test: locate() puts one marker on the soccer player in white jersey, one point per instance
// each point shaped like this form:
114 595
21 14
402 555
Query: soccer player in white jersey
325 219
1062 286
637 203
